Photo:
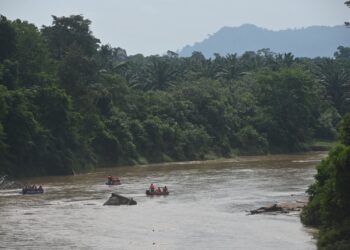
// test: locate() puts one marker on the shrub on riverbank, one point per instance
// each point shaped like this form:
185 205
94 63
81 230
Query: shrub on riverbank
329 203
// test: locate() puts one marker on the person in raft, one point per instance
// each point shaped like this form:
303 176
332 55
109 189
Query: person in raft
110 179
165 189
158 190
151 188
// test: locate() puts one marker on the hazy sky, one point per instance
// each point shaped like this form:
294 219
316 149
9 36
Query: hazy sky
155 26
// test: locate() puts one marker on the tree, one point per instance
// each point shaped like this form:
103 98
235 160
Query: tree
337 81
3 113
32 56
160 74
289 100
7 39
66 31
342 53
230 68
347 3
67 103
285 60
345 130
329 201
9 74
250 61
198 66
76 71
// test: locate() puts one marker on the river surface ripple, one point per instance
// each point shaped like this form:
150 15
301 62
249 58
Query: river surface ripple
206 208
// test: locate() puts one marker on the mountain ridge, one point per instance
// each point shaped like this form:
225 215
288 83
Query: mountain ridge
312 41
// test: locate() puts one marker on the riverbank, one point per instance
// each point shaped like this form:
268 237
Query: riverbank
317 146
329 204
322 145
183 164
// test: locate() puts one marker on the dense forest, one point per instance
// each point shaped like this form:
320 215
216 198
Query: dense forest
69 103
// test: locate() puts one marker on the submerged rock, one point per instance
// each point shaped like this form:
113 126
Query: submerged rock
280 208
116 200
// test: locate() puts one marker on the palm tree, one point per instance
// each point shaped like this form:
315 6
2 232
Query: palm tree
197 66
286 60
230 69
159 74
337 82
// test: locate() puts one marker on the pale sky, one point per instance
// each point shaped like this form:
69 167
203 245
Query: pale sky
155 26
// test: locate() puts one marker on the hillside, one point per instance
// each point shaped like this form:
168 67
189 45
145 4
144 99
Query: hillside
307 42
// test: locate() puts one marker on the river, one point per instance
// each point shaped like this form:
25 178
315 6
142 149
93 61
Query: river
206 208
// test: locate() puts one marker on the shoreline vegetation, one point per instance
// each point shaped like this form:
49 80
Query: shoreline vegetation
328 208
319 147
322 145
9 182
69 103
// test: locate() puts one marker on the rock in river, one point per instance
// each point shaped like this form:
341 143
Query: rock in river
117 200
280 208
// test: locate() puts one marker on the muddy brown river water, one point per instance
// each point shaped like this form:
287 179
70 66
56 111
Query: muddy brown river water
206 208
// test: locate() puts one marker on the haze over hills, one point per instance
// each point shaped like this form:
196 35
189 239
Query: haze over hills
310 42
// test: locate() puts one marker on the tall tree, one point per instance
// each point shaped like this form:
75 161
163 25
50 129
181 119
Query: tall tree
160 74
289 102
66 31
347 3
230 69
7 39
35 66
337 81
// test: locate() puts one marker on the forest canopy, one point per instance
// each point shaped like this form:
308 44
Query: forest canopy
69 103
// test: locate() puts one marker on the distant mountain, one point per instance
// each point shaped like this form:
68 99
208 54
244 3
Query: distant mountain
311 42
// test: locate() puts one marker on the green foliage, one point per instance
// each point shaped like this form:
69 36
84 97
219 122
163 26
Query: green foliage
41 139
68 104
32 56
76 71
68 31
251 141
9 74
160 74
7 39
345 130
289 97
335 238
329 203
343 52
336 78
3 113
